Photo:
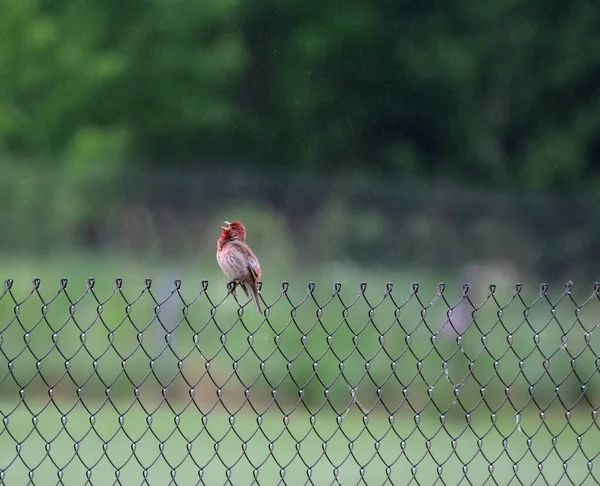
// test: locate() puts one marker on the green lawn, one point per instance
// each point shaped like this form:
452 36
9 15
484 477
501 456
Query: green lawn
183 444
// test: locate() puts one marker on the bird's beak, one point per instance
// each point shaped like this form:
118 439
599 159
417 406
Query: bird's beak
227 224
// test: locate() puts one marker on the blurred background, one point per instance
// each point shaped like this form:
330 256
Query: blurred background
384 135
377 141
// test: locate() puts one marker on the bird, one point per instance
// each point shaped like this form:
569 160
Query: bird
238 261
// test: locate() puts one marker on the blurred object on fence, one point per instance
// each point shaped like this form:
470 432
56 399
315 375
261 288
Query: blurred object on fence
478 277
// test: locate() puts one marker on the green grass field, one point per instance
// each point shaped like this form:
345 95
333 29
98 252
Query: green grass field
381 347
190 448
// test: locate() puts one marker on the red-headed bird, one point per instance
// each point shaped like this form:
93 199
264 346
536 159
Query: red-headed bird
238 261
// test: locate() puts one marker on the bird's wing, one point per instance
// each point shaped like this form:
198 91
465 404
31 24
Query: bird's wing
253 265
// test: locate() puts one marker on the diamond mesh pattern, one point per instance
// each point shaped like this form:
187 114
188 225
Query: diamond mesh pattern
108 385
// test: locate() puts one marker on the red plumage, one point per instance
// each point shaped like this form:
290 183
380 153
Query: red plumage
238 261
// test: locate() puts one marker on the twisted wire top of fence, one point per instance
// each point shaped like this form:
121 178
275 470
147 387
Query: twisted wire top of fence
181 386
90 285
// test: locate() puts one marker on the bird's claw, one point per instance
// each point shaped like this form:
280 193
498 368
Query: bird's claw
231 287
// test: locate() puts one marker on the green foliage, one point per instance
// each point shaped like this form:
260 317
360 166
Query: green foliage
501 93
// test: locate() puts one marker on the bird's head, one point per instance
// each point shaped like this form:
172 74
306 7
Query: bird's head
236 229
226 235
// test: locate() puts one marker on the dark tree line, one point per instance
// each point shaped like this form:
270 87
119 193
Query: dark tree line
505 94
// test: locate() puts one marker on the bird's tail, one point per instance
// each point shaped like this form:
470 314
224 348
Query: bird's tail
243 285
254 289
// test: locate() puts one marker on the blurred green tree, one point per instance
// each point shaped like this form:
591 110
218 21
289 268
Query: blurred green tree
501 94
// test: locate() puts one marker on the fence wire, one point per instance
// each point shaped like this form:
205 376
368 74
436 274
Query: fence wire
108 385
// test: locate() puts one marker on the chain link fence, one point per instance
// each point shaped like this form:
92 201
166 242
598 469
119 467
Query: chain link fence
112 384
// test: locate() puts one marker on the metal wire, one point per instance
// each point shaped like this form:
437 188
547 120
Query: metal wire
108 386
